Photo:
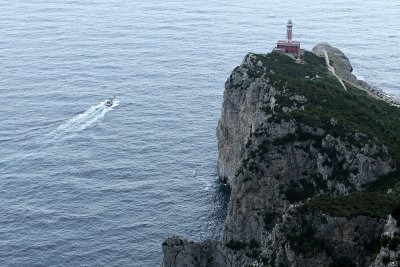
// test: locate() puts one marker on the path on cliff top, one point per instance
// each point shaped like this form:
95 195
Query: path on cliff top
332 70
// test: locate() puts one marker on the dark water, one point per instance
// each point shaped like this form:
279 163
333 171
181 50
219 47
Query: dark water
89 186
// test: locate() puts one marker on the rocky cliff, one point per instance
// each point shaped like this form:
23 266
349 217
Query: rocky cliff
309 165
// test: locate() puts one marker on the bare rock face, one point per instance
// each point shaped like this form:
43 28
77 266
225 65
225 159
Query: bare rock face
243 101
275 159
318 239
179 252
244 114
389 254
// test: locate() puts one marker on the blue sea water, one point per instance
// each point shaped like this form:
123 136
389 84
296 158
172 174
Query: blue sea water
82 185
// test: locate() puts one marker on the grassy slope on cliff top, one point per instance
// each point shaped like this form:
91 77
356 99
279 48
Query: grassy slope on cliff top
352 109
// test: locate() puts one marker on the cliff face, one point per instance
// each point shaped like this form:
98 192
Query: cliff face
294 146
318 239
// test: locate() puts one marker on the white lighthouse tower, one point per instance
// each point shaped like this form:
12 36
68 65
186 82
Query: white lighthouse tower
289 26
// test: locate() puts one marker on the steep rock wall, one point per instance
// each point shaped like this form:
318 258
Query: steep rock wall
274 160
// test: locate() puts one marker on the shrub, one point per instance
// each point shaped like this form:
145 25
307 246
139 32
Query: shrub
385 241
236 245
393 243
253 244
342 262
385 260
372 204
299 190
396 214
302 237
269 219
353 109
254 253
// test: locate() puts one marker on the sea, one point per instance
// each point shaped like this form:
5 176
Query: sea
86 185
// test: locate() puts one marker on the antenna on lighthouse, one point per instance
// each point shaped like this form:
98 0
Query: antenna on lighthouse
289 26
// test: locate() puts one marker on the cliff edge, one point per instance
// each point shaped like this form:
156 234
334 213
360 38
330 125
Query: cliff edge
312 169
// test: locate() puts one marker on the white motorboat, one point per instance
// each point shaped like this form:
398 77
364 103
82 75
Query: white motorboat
110 102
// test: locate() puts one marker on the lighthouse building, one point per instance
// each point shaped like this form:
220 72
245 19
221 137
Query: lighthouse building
288 46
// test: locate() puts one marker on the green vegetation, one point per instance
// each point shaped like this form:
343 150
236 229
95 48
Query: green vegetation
396 213
270 219
300 190
255 253
342 262
385 241
253 244
353 110
385 260
327 99
252 248
236 245
284 66
373 204
393 243
303 238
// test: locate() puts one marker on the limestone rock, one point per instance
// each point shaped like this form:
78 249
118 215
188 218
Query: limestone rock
274 163
389 255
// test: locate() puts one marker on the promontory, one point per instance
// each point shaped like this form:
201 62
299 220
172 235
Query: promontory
312 159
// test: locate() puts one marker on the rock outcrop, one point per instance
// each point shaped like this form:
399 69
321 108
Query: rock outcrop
341 63
389 254
293 156
178 252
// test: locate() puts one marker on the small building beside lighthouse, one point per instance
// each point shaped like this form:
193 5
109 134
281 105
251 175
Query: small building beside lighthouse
288 46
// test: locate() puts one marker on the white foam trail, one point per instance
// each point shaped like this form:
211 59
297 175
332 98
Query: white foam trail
85 119
76 124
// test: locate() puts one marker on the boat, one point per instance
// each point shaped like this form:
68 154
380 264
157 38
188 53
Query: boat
110 102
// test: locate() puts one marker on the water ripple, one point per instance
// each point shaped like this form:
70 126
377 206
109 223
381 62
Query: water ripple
84 185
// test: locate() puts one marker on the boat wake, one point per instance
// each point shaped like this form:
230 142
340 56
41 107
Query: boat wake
86 119
78 123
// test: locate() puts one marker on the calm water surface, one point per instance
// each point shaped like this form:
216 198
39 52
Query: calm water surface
81 185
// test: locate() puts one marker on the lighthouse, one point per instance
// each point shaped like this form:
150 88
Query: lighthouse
289 26
288 46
